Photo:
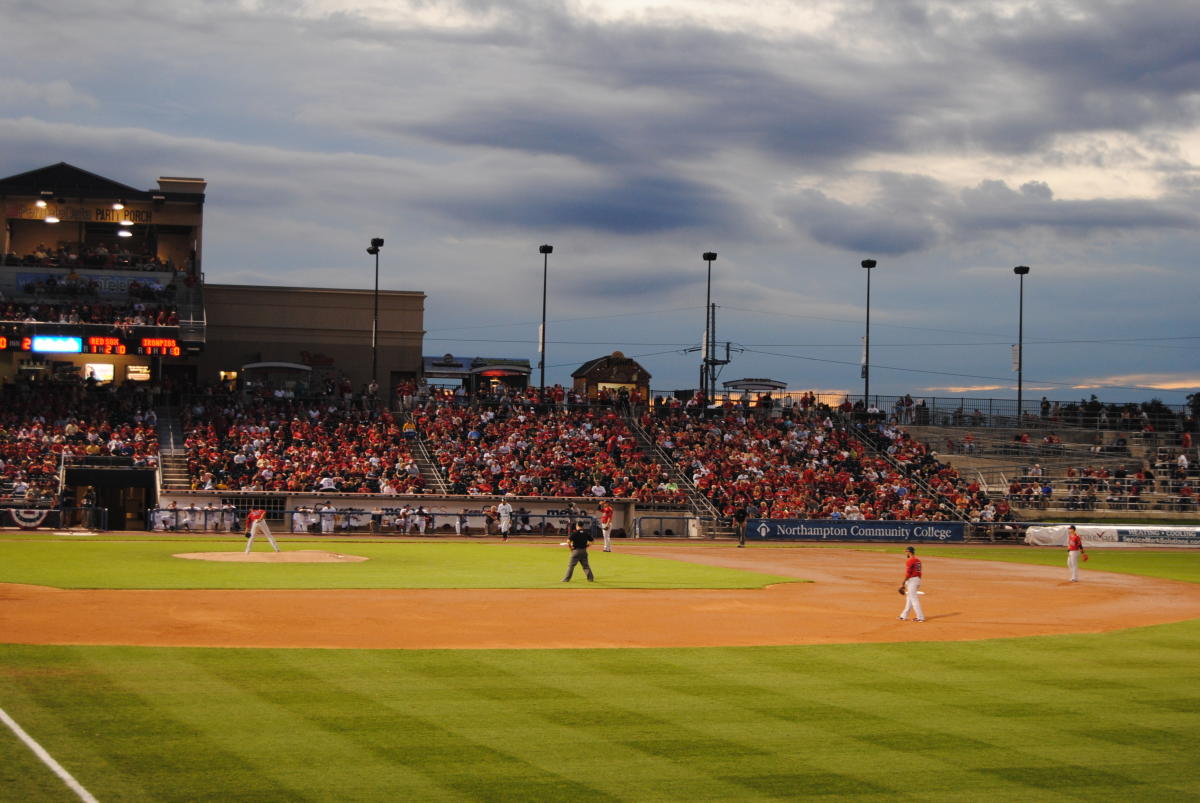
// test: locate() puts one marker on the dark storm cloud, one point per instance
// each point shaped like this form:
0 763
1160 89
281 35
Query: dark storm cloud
912 214
611 284
1150 49
646 94
632 205
994 206
1062 68
875 228
923 76
522 127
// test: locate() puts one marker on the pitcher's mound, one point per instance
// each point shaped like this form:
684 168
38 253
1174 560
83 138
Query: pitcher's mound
295 556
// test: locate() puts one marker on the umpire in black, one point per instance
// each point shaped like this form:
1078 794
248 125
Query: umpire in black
578 541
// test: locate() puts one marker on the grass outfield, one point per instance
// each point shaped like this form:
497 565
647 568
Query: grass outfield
1096 717
77 563
1110 717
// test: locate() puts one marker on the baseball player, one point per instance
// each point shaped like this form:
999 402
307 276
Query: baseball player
911 586
256 525
328 513
606 519
1074 551
505 511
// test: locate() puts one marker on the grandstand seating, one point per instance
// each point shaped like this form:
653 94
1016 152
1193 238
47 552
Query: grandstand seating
41 424
795 462
272 444
802 464
527 450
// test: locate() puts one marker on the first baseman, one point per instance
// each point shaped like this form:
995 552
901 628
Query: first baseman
912 586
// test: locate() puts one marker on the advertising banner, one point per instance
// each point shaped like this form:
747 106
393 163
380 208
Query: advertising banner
843 530
1104 535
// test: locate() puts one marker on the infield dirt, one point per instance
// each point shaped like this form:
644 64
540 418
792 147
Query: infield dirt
851 598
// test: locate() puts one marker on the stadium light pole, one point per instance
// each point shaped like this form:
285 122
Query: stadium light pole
545 251
1021 271
706 366
373 250
867 264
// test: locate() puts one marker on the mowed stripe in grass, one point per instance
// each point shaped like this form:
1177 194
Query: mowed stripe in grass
151 564
1103 717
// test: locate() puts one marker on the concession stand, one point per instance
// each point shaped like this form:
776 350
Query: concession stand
611 374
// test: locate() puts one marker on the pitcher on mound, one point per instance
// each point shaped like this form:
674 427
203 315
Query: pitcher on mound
256 524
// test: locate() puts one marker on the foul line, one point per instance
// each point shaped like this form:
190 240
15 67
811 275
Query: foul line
46 758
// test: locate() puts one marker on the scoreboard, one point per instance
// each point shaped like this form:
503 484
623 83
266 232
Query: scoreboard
100 344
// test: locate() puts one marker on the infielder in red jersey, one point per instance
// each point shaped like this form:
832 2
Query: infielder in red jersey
1074 550
911 586
606 520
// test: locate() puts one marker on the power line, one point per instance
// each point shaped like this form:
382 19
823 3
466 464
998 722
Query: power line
564 320
859 322
555 342
956 331
631 356
1141 342
951 373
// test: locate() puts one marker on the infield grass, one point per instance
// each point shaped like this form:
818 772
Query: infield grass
1110 717
77 563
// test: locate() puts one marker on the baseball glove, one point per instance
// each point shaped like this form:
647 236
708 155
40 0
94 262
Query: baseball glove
901 590
1084 556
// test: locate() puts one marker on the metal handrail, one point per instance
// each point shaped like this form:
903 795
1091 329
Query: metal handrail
699 503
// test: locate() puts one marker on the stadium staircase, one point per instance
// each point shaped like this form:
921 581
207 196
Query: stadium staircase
873 448
434 480
712 523
172 456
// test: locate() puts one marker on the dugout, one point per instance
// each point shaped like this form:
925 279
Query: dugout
120 489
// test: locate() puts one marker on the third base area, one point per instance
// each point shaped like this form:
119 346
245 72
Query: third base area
841 530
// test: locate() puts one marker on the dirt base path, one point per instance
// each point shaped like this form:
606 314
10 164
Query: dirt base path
852 599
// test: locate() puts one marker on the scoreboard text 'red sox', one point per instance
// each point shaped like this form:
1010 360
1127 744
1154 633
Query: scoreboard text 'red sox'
107 344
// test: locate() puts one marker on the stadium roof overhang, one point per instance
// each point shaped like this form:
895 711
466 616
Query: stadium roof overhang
755 384
294 366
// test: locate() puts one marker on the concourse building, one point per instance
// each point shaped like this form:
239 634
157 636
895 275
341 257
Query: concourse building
104 282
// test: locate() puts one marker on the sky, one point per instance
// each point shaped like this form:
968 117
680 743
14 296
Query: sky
948 141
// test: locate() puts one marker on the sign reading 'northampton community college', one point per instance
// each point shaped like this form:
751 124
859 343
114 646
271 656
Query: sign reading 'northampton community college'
842 530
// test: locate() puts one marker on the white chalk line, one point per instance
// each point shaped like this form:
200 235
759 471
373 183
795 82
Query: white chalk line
46 758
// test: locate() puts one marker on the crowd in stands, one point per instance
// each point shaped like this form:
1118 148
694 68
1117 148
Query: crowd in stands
73 286
518 447
96 312
799 461
42 424
94 255
263 443
1169 483
795 459
805 462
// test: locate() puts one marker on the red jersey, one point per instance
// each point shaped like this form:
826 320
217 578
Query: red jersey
606 514
255 515
1074 543
912 567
